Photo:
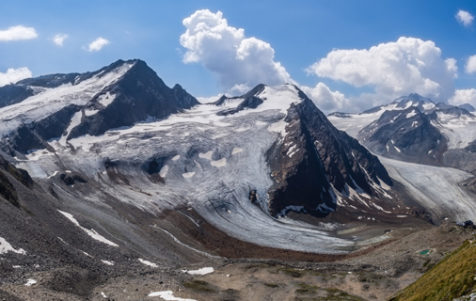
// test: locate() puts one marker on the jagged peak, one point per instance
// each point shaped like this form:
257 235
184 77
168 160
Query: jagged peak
255 91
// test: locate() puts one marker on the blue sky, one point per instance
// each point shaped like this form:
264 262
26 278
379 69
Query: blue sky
301 33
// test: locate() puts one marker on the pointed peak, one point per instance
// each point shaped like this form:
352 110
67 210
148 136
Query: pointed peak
117 64
255 91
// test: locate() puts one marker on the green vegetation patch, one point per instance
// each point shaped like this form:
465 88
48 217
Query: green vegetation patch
271 285
295 273
453 277
323 294
199 285
305 288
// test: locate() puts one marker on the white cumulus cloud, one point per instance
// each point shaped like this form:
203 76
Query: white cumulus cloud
471 64
16 33
13 75
463 96
393 69
326 99
59 39
464 17
239 62
97 44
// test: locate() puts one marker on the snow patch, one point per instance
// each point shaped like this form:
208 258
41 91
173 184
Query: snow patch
207 155
75 121
188 175
53 174
460 130
107 262
163 171
106 99
148 263
278 127
90 112
90 232
236 150
292 151
30 282
168 295
428 106
219 163
6 247
202 271
411 114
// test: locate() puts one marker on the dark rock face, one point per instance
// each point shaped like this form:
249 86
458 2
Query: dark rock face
19 174
250 101
471 147
72 178
155 164
7 189
315 155
405 134
140 94
36 134
12 94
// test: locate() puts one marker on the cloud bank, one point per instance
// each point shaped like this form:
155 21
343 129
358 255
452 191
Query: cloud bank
463 96
238 61
326 99
13 75
18 33
392 69
377 74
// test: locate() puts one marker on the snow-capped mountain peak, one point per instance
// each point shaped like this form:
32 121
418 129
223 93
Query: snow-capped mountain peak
58 93
414 128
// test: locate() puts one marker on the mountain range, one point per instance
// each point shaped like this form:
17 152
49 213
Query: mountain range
115 168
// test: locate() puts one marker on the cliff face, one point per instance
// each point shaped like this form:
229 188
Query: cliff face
314 159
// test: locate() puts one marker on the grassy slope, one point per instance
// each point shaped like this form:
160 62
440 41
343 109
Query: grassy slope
453 277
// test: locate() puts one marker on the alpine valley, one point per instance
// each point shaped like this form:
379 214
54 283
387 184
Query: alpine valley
114 186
